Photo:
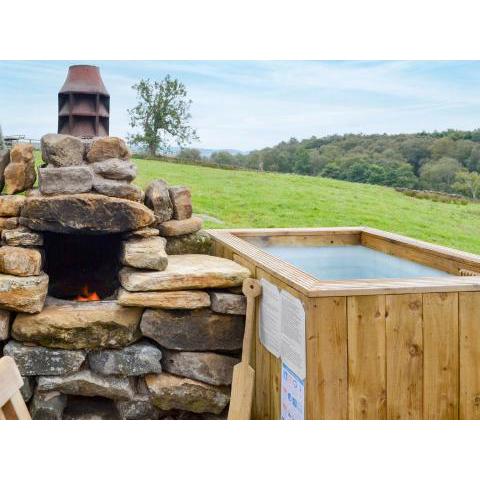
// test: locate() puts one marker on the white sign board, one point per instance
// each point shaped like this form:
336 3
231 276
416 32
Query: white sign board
292 395
270 317
293 333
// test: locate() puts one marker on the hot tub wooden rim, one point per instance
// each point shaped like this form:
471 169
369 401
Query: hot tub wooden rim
312 287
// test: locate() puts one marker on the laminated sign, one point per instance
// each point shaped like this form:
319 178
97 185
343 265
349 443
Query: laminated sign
282 333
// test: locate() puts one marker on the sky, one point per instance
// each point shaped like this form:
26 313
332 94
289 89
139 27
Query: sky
246 105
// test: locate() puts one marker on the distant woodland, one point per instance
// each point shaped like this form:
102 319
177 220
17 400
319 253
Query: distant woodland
446 161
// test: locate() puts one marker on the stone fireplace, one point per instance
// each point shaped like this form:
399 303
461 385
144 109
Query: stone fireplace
110 301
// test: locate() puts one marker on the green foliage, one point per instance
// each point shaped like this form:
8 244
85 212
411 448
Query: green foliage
249 199
190 154
467 183
422 160
162 115
2 142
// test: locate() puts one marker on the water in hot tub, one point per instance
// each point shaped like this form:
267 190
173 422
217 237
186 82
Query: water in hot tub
350 262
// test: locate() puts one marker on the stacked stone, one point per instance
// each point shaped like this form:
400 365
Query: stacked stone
101 165
166 347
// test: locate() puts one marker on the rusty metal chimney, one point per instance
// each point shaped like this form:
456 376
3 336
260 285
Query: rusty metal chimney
84 103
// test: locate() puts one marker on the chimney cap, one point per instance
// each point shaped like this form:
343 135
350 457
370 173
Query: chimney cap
84 79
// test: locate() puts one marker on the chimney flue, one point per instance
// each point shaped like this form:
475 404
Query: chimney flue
84 103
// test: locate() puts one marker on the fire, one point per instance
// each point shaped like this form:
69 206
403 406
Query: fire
87 296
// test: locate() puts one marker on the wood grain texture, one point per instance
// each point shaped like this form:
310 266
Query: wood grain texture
469 325
404 347
441 356
366 357
327 363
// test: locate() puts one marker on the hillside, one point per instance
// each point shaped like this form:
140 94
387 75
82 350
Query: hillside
252 199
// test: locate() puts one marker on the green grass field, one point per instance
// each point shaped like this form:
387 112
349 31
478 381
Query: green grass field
251 199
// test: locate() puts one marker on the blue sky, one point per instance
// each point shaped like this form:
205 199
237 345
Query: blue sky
248 105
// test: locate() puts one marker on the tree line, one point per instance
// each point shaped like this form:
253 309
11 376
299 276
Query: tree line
446 161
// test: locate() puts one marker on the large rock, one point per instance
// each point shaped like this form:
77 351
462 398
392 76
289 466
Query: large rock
174 228
171 392
207 367
4 161
147 253
186 272
158 199
21 153
22 262
8 223
183 300
58 181
48 405
181 201
104 148
23 294
115 169
20 172
116 188
10 205
89 384
28 387
34 360
133 360
228 303
84 213
137 409
80 325
5 316
198 242
193 330
62 150
22 237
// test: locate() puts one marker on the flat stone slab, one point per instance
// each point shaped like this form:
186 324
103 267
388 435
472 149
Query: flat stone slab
186 272
117 188
62 150
170 392
158 199
146 253
115 169
22 237
193 330
63 180
134 360
35 360
80 325
19 261
173 228
228 303
182 202
104 148
23 294
10 205
89 384
181 299
207 367
137 409
84 213
142 233
198 242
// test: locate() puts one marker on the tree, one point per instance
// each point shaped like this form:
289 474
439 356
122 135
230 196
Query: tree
467 183
2 142
190 154
162 115
440 174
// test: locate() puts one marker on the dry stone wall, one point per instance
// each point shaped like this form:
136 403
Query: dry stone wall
165 346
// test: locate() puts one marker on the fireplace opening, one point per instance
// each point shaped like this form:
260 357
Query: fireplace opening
82 267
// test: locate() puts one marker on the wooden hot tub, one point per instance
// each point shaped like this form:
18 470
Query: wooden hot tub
403 347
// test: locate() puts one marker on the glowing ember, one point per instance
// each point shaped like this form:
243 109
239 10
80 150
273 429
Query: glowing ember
87 296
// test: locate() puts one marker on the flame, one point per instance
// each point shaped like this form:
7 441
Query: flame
86 296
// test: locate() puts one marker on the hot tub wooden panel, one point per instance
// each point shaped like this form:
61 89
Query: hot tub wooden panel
377 349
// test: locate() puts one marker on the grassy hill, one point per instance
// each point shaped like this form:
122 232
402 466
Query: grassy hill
252 199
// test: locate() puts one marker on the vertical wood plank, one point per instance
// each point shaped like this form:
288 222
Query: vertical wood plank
441 352
404 346
327 364
276 379
469 325
366 357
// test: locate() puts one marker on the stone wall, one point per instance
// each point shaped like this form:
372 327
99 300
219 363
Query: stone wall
165 346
